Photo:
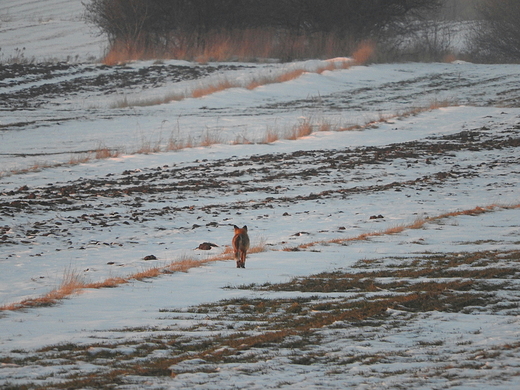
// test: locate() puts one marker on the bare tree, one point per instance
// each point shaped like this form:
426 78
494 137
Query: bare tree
496 37
119 18
159 24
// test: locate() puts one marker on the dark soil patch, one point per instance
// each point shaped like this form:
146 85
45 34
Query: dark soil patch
39 84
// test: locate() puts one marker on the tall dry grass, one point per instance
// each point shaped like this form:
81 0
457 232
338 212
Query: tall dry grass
302 129
222 84
73 282
103 153
175 142
246 45
270 136
210 138
364 52
416 224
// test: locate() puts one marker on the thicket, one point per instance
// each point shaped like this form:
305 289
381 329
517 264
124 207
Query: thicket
496 36
223 29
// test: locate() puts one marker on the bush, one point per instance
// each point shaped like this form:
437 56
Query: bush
496 37
186 28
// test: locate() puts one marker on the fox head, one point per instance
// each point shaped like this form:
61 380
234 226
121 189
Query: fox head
240 230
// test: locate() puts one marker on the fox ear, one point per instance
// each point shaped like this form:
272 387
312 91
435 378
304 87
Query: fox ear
236 227
245 228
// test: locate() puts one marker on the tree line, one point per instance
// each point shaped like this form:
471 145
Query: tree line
161 24
290 29
496 36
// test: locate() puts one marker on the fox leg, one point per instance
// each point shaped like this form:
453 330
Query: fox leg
240 260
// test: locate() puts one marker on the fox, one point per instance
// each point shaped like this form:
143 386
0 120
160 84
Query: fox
240 245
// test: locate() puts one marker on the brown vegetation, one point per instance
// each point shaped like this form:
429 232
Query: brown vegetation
417 224
74 283
307 127
245 30
263 327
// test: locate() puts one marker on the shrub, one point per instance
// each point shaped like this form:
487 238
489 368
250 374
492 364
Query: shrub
293 28
496 38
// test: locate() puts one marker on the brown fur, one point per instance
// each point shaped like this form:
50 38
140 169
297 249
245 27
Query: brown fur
240 245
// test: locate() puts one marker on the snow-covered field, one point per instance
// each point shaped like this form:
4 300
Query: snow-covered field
407 294
47 30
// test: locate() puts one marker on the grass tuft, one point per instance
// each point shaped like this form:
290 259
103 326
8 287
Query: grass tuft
301 130
364 52
102 152
210 138
271 136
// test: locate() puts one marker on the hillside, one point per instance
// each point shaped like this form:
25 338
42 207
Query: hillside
382 202
49 30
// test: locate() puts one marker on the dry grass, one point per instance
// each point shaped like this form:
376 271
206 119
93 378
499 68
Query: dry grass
100 153
241 139
329 67
270 136
189 143
79 159
410 111
148 146
147 273
210 138
125 102
475 211
301 130
417 224
304 128
121 52
103 153
434 104
393 230
254 84
107 283
35 167
73 282
259 246
184 265
325 126
275 79
219 86
174 144
246 45
288 76
364 52
224 84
